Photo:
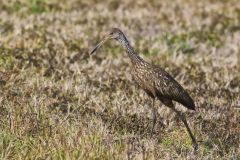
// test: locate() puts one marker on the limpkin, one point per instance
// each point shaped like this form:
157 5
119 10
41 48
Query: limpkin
156 82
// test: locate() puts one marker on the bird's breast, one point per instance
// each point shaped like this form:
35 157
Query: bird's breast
143 78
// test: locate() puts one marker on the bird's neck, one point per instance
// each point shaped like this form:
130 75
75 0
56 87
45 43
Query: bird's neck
135 58
133 55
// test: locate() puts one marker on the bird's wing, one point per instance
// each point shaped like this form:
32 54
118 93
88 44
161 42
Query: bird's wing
167 87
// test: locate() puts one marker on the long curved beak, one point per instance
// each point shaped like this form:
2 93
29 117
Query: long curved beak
99 44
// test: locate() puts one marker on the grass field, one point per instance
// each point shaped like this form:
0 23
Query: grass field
56 102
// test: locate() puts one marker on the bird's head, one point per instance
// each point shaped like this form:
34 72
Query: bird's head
114 33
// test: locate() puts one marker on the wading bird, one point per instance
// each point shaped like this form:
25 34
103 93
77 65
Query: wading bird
156 82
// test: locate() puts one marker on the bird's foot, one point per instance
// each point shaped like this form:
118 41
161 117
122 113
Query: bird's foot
152 132
195 148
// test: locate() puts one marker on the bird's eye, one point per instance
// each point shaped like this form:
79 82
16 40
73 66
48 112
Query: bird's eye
111 33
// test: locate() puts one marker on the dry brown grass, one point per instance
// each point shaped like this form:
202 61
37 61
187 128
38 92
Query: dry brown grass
57 102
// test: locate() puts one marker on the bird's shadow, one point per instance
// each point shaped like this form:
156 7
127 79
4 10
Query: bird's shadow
140 126
117 123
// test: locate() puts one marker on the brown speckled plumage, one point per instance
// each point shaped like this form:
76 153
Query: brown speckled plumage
156 82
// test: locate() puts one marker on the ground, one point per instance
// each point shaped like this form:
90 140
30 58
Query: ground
57 102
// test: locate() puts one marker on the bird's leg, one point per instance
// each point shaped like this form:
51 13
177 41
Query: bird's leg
182 117
154 116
